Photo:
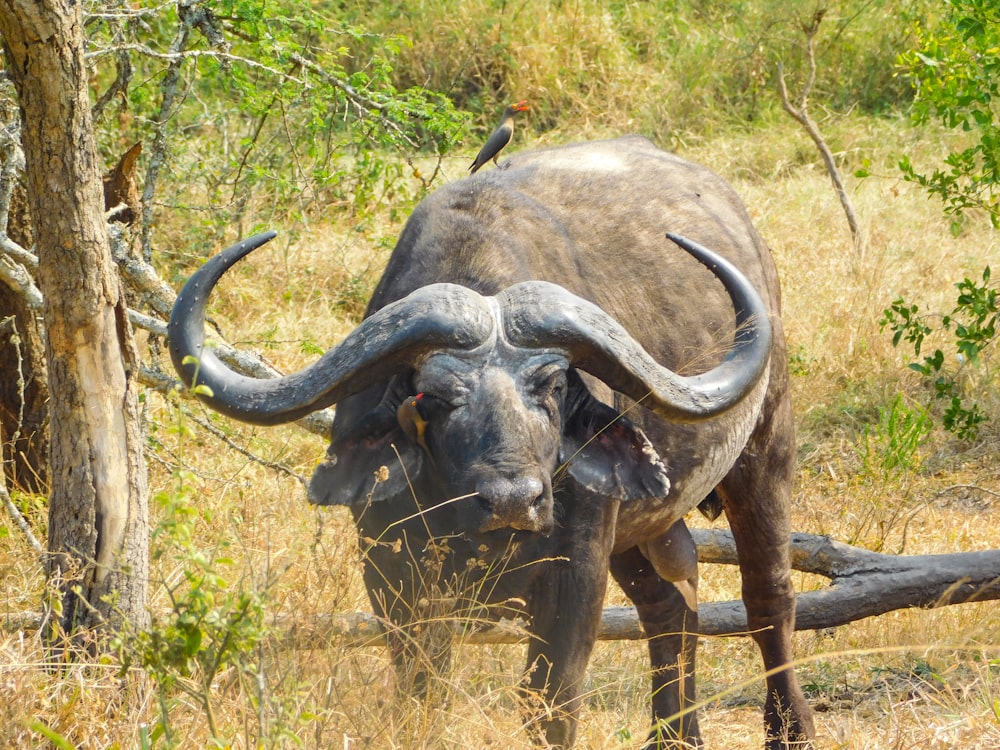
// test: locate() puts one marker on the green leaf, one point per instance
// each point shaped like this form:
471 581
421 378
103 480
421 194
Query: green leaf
202 390
193 642
927 60
60 742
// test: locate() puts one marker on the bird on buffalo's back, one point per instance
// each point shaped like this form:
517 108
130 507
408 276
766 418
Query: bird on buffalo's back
499 138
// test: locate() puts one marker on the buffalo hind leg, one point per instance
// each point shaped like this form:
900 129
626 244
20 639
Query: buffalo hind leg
756 497
669 617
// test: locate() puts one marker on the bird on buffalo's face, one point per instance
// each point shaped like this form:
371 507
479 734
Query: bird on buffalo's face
499 138
412 420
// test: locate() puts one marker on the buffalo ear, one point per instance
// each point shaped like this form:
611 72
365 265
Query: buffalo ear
353 471
608 455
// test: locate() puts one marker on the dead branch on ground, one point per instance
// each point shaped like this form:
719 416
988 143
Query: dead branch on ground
863 584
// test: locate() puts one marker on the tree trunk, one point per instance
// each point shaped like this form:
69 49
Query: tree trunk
98 507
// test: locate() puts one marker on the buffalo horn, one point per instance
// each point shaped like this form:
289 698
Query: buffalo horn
439 316
543 315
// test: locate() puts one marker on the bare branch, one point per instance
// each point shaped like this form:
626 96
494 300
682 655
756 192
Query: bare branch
863 583
124 13
140 275
177 57
157 380
147 323
18 253
143 279
13 167
220 435
318 423
18 518
801 115
123 71
12 509
15 276
191 15
15 340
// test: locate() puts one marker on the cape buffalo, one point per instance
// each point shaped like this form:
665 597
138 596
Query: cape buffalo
543 387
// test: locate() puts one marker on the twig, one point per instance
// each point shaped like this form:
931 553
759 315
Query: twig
159 381
15 261
258 128
13 166
143 279
975 487
179 56
15 340
123 70
317 423
220 435
364 103
158 152
19 519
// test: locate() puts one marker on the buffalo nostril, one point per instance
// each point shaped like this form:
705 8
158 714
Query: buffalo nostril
485 503
521 491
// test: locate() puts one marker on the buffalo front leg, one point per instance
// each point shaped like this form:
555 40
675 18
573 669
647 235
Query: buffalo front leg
756 496
421 650
416 613
564 610
668 612
565 615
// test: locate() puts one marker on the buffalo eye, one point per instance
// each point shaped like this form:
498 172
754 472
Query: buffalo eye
547 388
432 407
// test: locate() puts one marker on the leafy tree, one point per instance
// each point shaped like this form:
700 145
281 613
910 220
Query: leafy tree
277 111
293 108
956 76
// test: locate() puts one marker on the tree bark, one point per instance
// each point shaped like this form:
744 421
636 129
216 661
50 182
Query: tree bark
98 507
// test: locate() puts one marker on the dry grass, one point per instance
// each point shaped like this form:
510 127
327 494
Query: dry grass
913 679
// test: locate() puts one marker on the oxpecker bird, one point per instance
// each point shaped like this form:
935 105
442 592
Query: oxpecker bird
499 138
412 420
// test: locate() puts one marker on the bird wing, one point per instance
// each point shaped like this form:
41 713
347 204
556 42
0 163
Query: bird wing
493 146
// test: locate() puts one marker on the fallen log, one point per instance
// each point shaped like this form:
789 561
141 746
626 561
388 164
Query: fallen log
863 584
